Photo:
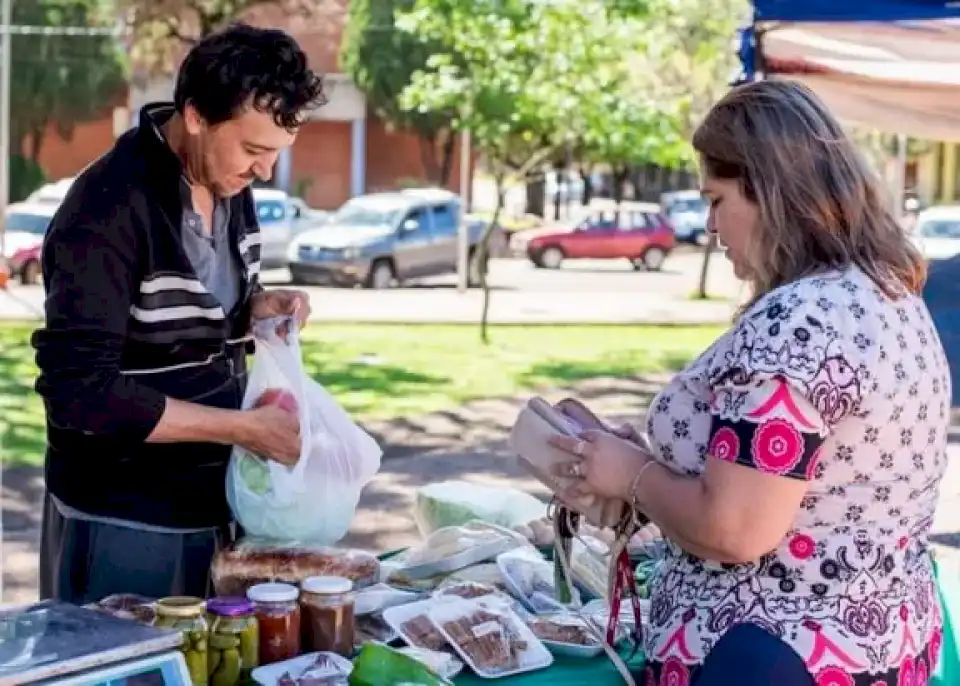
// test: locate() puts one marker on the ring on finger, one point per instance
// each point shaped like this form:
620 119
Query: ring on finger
576 470
579 448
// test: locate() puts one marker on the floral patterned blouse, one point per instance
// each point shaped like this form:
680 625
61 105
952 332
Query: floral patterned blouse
828 380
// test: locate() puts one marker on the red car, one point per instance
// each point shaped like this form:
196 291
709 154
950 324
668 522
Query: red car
25 264
638 233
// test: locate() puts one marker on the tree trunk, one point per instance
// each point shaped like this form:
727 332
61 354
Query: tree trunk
619 181
482 257
36 143
428 158
705 267
535 190
587 186
446 160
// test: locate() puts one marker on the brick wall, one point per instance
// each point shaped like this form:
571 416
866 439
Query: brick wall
61 157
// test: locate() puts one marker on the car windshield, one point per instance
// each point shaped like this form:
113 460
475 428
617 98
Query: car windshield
940 228
688 205
365 214
20 222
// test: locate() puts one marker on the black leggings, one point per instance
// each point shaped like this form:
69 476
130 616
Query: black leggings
749 656
745 656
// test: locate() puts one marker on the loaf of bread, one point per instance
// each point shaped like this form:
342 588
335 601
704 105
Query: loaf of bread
253 561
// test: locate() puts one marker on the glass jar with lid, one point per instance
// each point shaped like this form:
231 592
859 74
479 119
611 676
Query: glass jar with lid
278 617
185 614
328 618
234 641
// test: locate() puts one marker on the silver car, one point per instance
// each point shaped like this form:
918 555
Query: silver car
381 239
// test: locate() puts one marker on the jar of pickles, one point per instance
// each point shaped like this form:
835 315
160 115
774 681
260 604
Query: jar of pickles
234 641
328 618
185 614
278 618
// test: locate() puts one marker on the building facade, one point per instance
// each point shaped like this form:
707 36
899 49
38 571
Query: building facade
343 150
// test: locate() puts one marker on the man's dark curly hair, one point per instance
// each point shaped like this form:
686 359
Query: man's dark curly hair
243 65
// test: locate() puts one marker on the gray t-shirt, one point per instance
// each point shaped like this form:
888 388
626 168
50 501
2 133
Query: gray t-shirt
210 252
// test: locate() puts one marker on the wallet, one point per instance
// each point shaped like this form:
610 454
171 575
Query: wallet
536 423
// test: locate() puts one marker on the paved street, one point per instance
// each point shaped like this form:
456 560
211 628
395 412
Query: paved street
583 292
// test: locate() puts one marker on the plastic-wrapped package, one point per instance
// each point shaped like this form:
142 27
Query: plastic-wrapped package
314 500
530 579
379 597
255 560
590 565
372 627
454 503
412 623
486 573
466 590
494 642
455 547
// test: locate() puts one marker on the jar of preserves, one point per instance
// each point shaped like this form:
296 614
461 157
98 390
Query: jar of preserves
278 617
185 614
328 621
234 641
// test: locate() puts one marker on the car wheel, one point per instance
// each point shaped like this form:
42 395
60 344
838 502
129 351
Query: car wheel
381 275
551 258
473 271
653 258
30 273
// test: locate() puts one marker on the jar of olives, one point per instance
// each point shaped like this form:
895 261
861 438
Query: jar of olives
185 614
234 641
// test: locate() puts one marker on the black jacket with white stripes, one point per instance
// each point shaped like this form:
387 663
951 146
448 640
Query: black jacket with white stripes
127 324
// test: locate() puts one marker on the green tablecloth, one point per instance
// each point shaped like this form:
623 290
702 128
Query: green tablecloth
565 671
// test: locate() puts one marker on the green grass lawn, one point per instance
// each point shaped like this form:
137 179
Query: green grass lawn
382 371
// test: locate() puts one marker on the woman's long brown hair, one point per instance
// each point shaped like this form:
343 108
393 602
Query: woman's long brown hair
820 205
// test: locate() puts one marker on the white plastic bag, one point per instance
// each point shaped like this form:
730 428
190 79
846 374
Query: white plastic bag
314 500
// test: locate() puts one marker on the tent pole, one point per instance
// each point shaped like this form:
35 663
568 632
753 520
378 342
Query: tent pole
900 180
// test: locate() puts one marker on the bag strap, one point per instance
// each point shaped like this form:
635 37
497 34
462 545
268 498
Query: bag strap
560 552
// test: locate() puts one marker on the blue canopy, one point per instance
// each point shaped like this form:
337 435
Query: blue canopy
854 10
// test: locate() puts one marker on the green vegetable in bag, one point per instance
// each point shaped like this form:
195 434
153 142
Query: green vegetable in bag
378 665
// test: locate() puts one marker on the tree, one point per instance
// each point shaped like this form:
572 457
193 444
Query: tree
507 68
162 29
691 46
60 79
381 60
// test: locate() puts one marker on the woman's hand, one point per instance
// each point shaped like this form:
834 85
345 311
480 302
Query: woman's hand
606 463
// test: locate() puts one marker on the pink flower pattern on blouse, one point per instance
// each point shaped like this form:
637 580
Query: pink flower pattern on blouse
829 381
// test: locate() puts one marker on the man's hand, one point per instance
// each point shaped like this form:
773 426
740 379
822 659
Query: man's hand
272 433
281 302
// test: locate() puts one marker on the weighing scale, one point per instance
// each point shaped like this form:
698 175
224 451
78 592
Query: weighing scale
56 644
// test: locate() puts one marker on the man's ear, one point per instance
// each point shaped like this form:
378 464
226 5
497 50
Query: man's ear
192 120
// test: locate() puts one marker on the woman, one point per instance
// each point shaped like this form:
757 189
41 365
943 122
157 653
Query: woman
794 466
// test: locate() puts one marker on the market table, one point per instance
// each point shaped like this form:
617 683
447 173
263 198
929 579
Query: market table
565 671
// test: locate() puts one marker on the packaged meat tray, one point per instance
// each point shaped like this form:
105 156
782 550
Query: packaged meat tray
567 634
412 623
254 561
494 642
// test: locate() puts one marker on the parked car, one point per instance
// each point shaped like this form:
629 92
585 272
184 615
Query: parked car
25 265
381 239
638 233
25 225
687 212
936 232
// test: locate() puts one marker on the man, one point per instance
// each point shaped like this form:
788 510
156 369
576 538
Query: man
151 269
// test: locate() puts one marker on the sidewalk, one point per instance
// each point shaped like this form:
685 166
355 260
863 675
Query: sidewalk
447 306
